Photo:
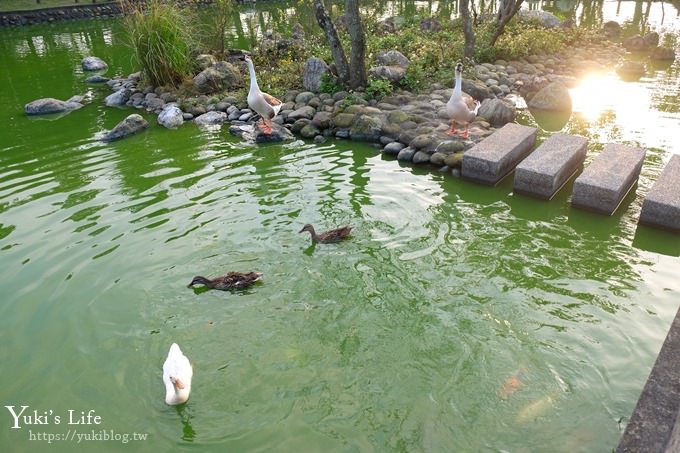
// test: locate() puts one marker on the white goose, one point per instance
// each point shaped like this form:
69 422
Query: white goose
267 106
177 374
457 108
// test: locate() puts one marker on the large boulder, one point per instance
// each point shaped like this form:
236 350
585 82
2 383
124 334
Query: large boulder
312 73
631 70
611 29
554 97
497 112
635 43
218 77
392 65
94 64
129 126
663 53
50 105
392 58
211 118
171 117
366 129
545 18
118 98
477 89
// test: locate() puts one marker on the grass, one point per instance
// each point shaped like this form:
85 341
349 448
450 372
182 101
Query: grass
24 5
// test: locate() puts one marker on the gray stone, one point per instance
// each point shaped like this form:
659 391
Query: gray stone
663 53
220 76
653 427
661 207
312 73
366 128
306 112
97 79
204 61
129 126
211 118
309 131
550 166
304 97
406 154
392 73
437 159
245 116
322 120
118 98
493 158
50 105
94 64
392 58
554 97
497 112
393 148
155 104
171 117
421 157
608 179
255 133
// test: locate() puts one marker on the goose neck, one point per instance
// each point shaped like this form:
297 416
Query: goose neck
253 78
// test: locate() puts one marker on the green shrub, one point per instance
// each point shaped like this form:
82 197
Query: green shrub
329 84
378 88
160 39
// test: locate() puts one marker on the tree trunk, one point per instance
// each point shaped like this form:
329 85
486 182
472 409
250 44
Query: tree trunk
469 49
337 51
357 69
506 11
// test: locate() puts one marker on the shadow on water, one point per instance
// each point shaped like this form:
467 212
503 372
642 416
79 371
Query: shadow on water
657 241
188 432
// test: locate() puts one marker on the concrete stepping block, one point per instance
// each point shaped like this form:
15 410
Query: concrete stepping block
607 180
661 207
547 169
490 160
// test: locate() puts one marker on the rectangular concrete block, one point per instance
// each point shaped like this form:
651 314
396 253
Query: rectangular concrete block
493 158
550 166
661 207
608 179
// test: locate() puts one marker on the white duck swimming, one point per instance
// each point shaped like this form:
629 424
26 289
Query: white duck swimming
177 373
267 106
457 108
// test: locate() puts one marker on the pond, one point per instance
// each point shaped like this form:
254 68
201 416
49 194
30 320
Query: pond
457 318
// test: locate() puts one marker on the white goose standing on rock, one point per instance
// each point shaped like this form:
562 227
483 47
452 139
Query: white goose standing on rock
457 108
266 105
177 374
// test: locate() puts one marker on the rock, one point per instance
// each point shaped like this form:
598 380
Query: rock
612 29
304 97
45 106
393 148
422 141
497 112
94 64
310 131
343 120
118 98
554 97
630 70
129 126
340 95
392 73
651 39
430 25
298 125
312 73
303 112
437 159
97 79
421 157
255 133
366 129
204 61
211 118
392 58
545 18
454 160
171 117
155 104
663 53
398 116
476 89
221 76
635 43
319 139
406 154
449 146
322 120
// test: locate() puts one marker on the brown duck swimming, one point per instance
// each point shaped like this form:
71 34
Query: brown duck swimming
233 280
335 235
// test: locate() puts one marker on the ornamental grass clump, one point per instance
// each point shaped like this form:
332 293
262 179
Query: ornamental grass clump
159 34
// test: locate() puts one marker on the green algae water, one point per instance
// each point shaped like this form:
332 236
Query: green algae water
457 318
